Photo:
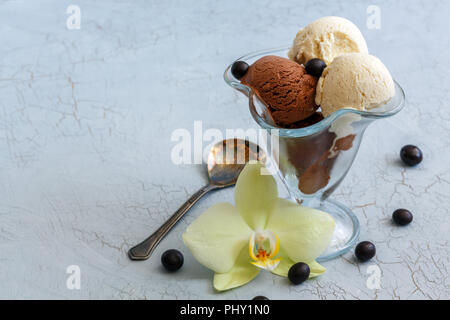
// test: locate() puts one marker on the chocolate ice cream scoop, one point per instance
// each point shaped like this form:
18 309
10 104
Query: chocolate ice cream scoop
285 87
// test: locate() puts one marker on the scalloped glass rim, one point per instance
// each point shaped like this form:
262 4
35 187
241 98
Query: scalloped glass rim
390 108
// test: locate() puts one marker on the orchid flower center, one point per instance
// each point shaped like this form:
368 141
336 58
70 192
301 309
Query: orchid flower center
263 246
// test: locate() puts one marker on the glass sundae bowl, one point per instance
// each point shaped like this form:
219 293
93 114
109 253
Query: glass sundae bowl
313 160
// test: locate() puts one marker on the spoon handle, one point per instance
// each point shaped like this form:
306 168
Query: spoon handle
143 250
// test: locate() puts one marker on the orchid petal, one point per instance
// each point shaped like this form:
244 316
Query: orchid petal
241 273
304 233
255 195
316 269
217 237
286 263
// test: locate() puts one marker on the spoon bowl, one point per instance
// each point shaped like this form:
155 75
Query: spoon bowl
227 158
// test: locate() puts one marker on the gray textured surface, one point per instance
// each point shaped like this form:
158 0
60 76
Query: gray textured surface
86 118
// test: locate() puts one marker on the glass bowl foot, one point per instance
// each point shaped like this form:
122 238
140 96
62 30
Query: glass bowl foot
346 232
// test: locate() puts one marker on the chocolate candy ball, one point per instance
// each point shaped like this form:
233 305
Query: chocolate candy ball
172 260
315 67
298 273
239 69
411 155
402 217
365 251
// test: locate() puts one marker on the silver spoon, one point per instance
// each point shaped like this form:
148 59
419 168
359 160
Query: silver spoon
226 160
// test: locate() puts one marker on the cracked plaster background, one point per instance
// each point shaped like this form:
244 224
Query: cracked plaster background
85 123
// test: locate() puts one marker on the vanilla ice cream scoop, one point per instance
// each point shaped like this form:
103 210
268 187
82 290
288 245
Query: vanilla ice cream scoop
325 39
354 80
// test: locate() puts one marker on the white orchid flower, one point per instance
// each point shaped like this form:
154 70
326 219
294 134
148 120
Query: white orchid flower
261 232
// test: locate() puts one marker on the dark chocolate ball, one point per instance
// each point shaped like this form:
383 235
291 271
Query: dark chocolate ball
298 273
365 251
402 217
172 260
411 155
260 298
315 67
239 69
